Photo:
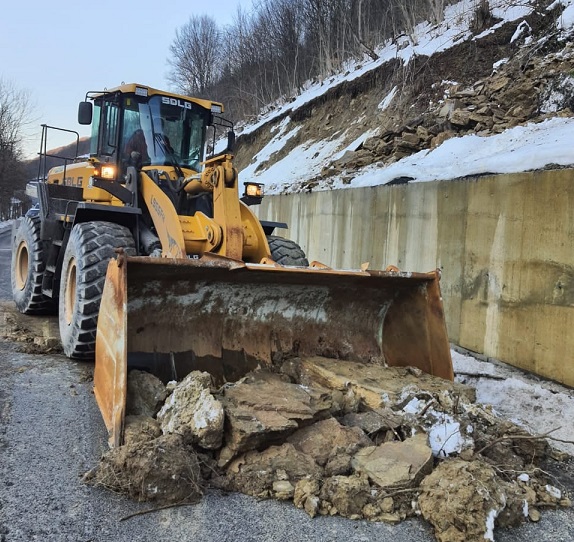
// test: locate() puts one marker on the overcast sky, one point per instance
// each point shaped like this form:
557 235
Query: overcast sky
59 49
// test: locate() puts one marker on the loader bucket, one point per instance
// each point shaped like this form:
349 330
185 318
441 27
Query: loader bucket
227 317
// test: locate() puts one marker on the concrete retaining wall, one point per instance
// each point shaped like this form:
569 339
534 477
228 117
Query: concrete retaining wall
504 244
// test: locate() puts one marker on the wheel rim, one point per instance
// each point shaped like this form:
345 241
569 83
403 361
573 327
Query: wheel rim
22 262
70 295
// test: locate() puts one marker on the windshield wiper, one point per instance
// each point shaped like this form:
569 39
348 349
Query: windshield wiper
169 154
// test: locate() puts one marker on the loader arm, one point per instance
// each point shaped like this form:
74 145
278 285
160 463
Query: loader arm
164 217
234 232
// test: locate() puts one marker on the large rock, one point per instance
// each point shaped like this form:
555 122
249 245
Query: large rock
459 117
145 394
327 439
378 387
373 422
264 409
395 464
192 412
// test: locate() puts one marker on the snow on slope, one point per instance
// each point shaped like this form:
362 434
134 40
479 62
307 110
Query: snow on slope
519 149
523 148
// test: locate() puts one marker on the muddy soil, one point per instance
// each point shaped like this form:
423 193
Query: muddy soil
31 335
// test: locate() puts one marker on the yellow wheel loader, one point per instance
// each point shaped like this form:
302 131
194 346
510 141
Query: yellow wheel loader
154 260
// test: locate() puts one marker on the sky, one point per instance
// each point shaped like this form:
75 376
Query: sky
59 50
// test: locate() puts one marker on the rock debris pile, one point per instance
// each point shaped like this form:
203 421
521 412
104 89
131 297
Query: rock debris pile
526 88
334 437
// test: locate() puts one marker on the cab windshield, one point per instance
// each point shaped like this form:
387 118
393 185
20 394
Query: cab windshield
164 130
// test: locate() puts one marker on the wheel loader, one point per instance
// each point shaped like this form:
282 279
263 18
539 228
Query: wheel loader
154 260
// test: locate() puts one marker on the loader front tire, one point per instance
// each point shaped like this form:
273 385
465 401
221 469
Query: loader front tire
286 252
27 269
90 247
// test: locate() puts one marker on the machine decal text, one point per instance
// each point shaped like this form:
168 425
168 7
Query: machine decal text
174 101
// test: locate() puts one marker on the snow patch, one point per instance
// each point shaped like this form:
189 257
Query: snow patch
445 437
489 534
522 28
388 99
533 403
566 21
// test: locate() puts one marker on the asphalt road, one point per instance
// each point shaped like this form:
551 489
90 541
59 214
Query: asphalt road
51 433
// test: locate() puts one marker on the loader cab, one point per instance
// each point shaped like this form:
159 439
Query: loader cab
137 126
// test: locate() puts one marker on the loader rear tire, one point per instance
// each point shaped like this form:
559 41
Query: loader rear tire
27 269
90 247
286 252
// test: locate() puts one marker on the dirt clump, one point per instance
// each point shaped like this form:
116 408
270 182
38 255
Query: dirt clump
461 499
32 336
160 469
464 500
336 437
272 472
140 429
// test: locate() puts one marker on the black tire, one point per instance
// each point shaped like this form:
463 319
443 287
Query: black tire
27 268
90 247
286 252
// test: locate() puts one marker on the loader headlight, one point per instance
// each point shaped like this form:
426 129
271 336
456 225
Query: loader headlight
253 190
108 172
253 194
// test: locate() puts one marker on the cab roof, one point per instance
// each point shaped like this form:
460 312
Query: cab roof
136 88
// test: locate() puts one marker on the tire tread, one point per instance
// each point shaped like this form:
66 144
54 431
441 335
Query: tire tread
32 301
96 243
286 252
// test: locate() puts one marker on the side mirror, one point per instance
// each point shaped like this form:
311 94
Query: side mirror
85 113
230 141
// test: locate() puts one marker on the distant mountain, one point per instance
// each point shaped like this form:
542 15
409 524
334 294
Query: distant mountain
57 157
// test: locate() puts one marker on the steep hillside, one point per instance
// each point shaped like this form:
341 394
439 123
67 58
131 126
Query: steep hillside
498 73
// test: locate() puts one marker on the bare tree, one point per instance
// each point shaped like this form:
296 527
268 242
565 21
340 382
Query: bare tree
270 51
14 117
436 10
196 56
282 24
